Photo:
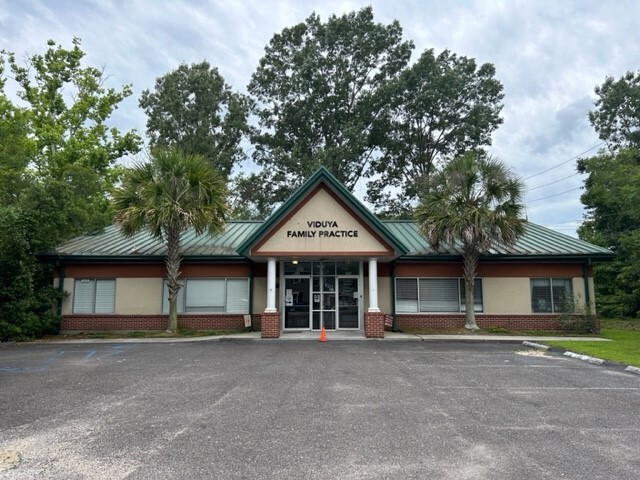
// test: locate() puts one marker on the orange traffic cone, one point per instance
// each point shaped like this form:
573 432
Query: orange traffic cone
323 334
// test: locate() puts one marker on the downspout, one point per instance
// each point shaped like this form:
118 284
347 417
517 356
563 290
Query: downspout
60 286
585 277
394 327
251 292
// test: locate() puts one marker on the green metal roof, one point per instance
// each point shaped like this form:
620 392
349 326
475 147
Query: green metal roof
238 237
537 242
112 243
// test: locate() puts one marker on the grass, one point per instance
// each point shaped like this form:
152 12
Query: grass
491 331
624 346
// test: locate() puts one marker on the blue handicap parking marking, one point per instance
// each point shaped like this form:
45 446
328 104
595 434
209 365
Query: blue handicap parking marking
88 355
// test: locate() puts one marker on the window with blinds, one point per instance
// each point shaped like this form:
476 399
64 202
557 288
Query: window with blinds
213 295
551 295
91 295
434 295
406 295
439 295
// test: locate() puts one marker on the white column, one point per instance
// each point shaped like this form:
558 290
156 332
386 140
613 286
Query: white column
373 285
271 286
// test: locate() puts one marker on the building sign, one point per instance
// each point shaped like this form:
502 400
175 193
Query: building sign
322 229
321 225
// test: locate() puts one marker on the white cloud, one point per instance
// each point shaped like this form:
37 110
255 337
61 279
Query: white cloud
549 55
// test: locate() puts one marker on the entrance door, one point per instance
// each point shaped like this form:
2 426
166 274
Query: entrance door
348 311
296 301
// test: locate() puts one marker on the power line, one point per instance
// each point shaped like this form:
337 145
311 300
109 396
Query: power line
562 163
551 183
555 195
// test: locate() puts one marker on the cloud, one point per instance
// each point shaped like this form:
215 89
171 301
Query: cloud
548 55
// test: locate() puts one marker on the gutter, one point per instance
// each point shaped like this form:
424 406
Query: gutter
585 277
60 286
394 326
251 292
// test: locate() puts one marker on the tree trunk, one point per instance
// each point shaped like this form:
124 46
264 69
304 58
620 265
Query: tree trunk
470 259
172 324
173 274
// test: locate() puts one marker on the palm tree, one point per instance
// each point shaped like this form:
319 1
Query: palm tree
166 196
472 203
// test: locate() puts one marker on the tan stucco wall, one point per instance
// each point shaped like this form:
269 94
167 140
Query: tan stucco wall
321 207
506 295
579 295
384 294
259 295
67 302
138 296
513 295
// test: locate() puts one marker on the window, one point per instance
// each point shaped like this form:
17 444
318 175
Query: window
551 295
438 295
210 295
92 295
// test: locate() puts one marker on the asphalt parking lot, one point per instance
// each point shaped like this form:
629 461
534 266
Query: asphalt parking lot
309 410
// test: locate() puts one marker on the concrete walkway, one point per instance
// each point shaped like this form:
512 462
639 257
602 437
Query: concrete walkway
334 336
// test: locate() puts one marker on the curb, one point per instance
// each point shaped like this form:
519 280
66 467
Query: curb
631 369
539 346
584 358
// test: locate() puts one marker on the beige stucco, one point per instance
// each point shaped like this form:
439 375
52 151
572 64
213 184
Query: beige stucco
138 296
384 294
579 295
67 301
321 207
506 295
513 295
259 295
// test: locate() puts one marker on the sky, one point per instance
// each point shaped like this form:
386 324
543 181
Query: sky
548 54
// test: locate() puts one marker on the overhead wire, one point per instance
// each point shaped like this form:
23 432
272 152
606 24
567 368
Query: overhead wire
551 183
554 195
564 162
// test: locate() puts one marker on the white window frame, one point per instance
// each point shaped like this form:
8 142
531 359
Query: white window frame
228 301
420 305
101 294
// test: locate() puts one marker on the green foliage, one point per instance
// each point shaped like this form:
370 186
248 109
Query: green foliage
16 150
443 106
25 300
192 108
617 114
472 202
622 348
578 317
496 329
71 164
320 98
612 199
168 195
57 169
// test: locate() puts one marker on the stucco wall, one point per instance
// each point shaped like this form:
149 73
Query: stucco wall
506 295
259 295
138 296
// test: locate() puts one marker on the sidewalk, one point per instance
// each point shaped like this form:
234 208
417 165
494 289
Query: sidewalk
333 336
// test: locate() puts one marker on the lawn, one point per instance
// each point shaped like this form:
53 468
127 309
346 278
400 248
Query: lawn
624 346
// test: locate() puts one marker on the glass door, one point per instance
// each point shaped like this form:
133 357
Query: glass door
348 302
296 303
324 295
